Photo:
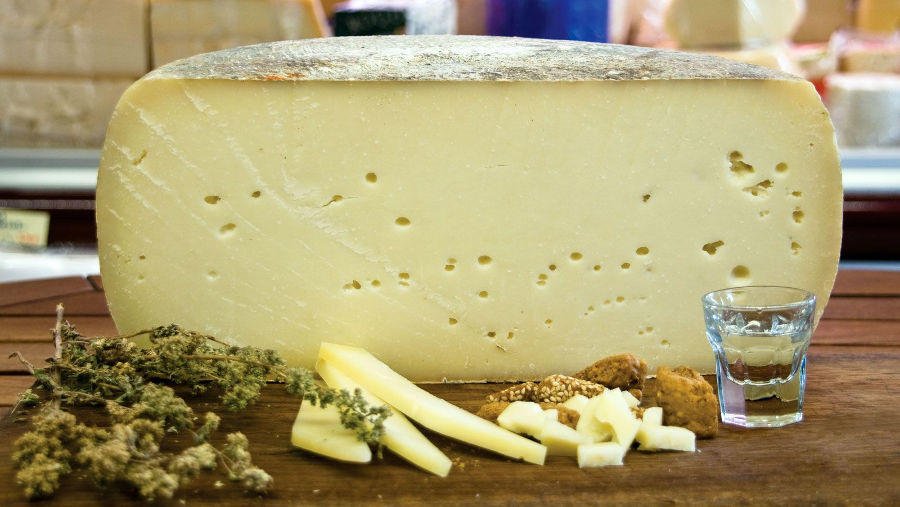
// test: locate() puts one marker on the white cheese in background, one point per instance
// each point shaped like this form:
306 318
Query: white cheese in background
865 108
460 227
732 23
74 37
57 112
183 28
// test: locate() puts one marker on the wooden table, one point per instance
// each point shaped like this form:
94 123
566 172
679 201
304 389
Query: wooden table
846 451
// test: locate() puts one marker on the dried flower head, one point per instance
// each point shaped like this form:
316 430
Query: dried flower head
129 382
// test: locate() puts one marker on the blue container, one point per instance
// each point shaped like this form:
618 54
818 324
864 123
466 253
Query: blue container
586 20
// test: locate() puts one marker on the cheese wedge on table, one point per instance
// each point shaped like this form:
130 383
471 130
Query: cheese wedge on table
465 208
430 411
319 430
400 436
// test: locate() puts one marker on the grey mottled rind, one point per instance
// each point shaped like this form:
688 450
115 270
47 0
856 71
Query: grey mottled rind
454 58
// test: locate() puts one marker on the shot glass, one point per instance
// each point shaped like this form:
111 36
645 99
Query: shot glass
760 336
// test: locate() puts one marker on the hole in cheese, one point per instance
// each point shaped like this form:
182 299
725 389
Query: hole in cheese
711 248
761 189
371 177
575 256
402 221
797 215
227 229
255 194
642 250
484 260
212 199
781 167
740 272
738 166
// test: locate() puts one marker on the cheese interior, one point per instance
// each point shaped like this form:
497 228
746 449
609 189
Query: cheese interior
463 230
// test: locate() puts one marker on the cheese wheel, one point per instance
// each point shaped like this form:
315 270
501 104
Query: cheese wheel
465 208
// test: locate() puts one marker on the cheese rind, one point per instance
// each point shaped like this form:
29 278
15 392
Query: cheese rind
399 435
465 208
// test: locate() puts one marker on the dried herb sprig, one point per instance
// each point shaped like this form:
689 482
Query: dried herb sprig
131 383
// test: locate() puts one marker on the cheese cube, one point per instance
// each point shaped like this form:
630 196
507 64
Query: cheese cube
84 38
652 437
182 28
57 112
600 454
522 417
561 440
612 409
466 208
652 416
592 427
577 402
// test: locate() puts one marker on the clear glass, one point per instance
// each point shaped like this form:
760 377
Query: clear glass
760 336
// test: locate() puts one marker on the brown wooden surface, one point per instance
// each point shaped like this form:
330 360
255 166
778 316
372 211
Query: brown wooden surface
846 451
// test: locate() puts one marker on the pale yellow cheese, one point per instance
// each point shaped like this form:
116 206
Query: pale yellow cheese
319 430
655 437
600 454
400 436
561 440
465 208
430 411
732 23
182 28
775 56
57 112
74 37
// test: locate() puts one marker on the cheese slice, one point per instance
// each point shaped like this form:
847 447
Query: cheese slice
182 28
429 410
732 23
400 436
57 112
84 38
319 430
465 208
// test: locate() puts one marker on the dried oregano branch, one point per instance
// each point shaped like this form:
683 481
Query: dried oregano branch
131 383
